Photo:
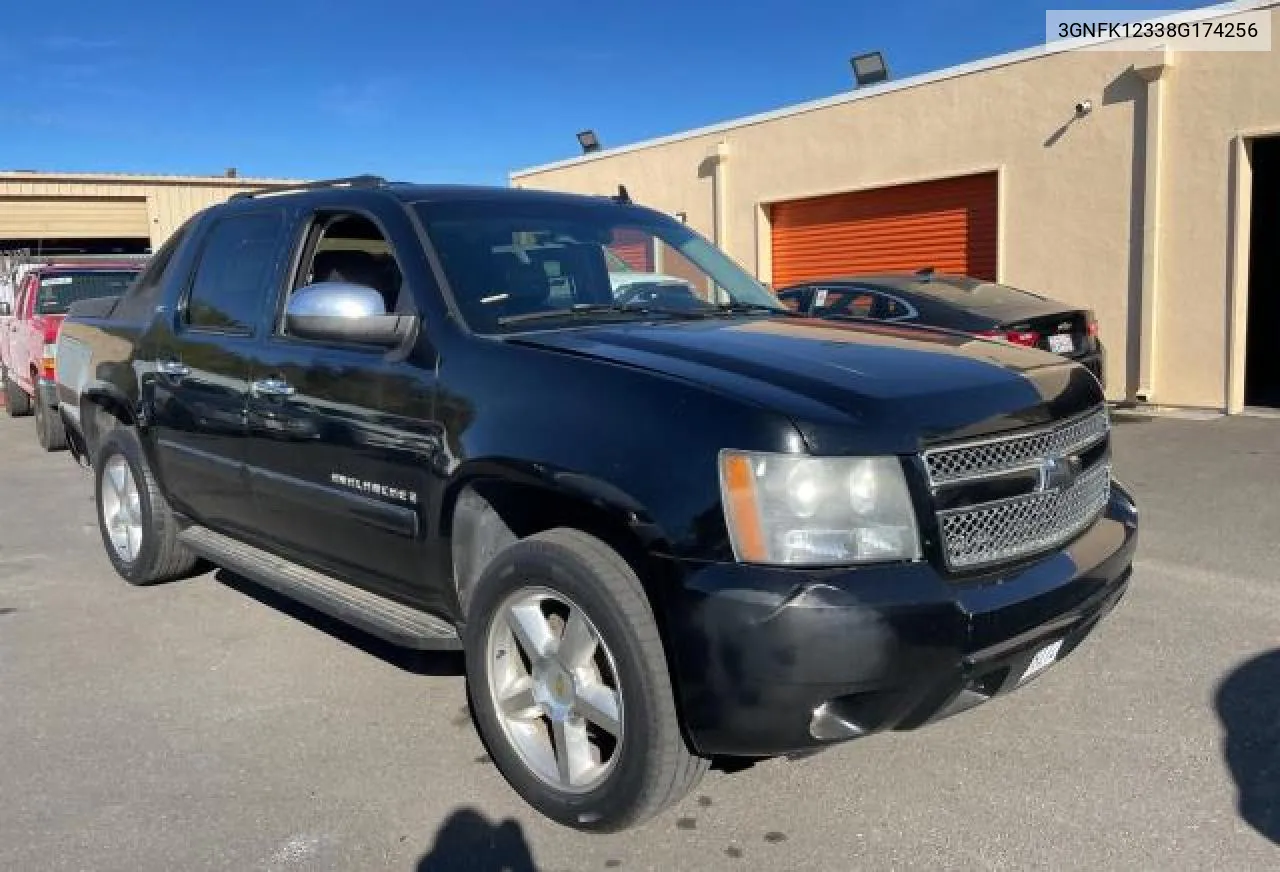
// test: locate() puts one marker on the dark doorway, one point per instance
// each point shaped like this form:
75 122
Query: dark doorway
50 247
1262 352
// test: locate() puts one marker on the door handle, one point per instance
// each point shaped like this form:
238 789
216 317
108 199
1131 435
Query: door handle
173 368
271 387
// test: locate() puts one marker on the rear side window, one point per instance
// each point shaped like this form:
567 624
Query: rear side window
153 273
852 303
235 271
895 308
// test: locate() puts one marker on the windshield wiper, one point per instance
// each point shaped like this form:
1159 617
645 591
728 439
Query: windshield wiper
579 310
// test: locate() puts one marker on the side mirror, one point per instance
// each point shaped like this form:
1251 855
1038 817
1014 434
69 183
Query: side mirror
5 310
344 312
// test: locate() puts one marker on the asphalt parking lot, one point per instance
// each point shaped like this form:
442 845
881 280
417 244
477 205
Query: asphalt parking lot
207 725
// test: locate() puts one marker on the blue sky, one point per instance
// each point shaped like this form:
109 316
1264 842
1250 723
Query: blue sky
437 90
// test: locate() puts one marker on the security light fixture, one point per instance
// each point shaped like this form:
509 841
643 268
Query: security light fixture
589 141
869 68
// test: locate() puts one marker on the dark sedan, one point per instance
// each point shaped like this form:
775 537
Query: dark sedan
956 302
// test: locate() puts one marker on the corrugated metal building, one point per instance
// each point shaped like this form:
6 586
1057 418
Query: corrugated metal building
104 212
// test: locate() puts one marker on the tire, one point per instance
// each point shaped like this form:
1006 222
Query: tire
650 767
16 400
155 555
49 428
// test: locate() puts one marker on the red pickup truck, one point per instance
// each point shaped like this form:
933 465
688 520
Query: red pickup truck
43 292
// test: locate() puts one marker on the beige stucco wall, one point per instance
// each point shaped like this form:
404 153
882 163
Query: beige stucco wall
1071 190
170 200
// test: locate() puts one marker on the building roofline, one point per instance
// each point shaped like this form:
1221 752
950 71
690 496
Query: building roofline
132 178
978 66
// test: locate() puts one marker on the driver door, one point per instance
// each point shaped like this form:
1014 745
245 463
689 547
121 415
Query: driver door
341 440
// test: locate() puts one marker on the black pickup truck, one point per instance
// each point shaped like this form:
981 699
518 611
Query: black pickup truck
665 518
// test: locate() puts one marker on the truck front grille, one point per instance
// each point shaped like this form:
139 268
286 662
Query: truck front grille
1053 481
1021 450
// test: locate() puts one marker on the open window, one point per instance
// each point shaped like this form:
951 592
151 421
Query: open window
348 288
350 247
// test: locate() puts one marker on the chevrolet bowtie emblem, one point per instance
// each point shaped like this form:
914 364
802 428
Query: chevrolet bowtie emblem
1058 473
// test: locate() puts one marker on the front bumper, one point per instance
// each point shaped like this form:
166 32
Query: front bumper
772 661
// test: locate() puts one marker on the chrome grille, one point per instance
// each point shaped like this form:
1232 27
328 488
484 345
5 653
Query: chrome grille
1034 512
1019 451
1016 527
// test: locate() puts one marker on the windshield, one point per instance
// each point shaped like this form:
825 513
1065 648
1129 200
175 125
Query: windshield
512 263
59 290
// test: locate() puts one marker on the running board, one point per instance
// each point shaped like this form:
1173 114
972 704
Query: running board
387 619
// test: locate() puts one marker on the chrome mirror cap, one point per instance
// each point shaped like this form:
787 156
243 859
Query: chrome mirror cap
335 300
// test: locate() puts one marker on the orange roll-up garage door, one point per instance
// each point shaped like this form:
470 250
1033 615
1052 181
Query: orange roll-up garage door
949 225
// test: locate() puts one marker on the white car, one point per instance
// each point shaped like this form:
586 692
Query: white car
623 276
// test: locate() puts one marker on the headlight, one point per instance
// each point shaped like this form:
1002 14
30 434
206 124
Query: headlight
798 510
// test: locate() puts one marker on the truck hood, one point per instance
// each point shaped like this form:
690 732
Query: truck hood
850 387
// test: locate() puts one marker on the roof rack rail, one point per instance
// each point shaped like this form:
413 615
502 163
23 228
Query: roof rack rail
365 181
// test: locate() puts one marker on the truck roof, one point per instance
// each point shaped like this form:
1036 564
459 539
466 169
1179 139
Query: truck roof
410 192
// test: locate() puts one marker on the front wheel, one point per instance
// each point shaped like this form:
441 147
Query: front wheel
570 687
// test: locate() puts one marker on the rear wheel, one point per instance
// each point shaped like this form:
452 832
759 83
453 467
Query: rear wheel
15 399
138 528
570 687
49 428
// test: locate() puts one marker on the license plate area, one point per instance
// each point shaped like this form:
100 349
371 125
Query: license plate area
1045 657
1062 343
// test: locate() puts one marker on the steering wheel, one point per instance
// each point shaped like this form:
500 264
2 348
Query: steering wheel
667 294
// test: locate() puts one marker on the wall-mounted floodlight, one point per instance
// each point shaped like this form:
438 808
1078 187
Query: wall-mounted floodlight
869 68
589 141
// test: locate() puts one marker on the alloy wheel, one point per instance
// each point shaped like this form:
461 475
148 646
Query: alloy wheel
121 508
555 689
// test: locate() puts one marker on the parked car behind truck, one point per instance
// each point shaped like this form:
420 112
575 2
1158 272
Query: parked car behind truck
45 290
688 526
957 302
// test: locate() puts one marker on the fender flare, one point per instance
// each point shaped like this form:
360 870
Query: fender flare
489 505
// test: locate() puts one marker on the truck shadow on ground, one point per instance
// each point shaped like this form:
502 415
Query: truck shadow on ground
469 842
1248 702
437 663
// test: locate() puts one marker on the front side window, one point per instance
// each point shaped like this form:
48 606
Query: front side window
510 264
58 290
235 270
349 247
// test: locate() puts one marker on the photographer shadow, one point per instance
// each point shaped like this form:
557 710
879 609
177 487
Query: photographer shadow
470 842
1248 702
